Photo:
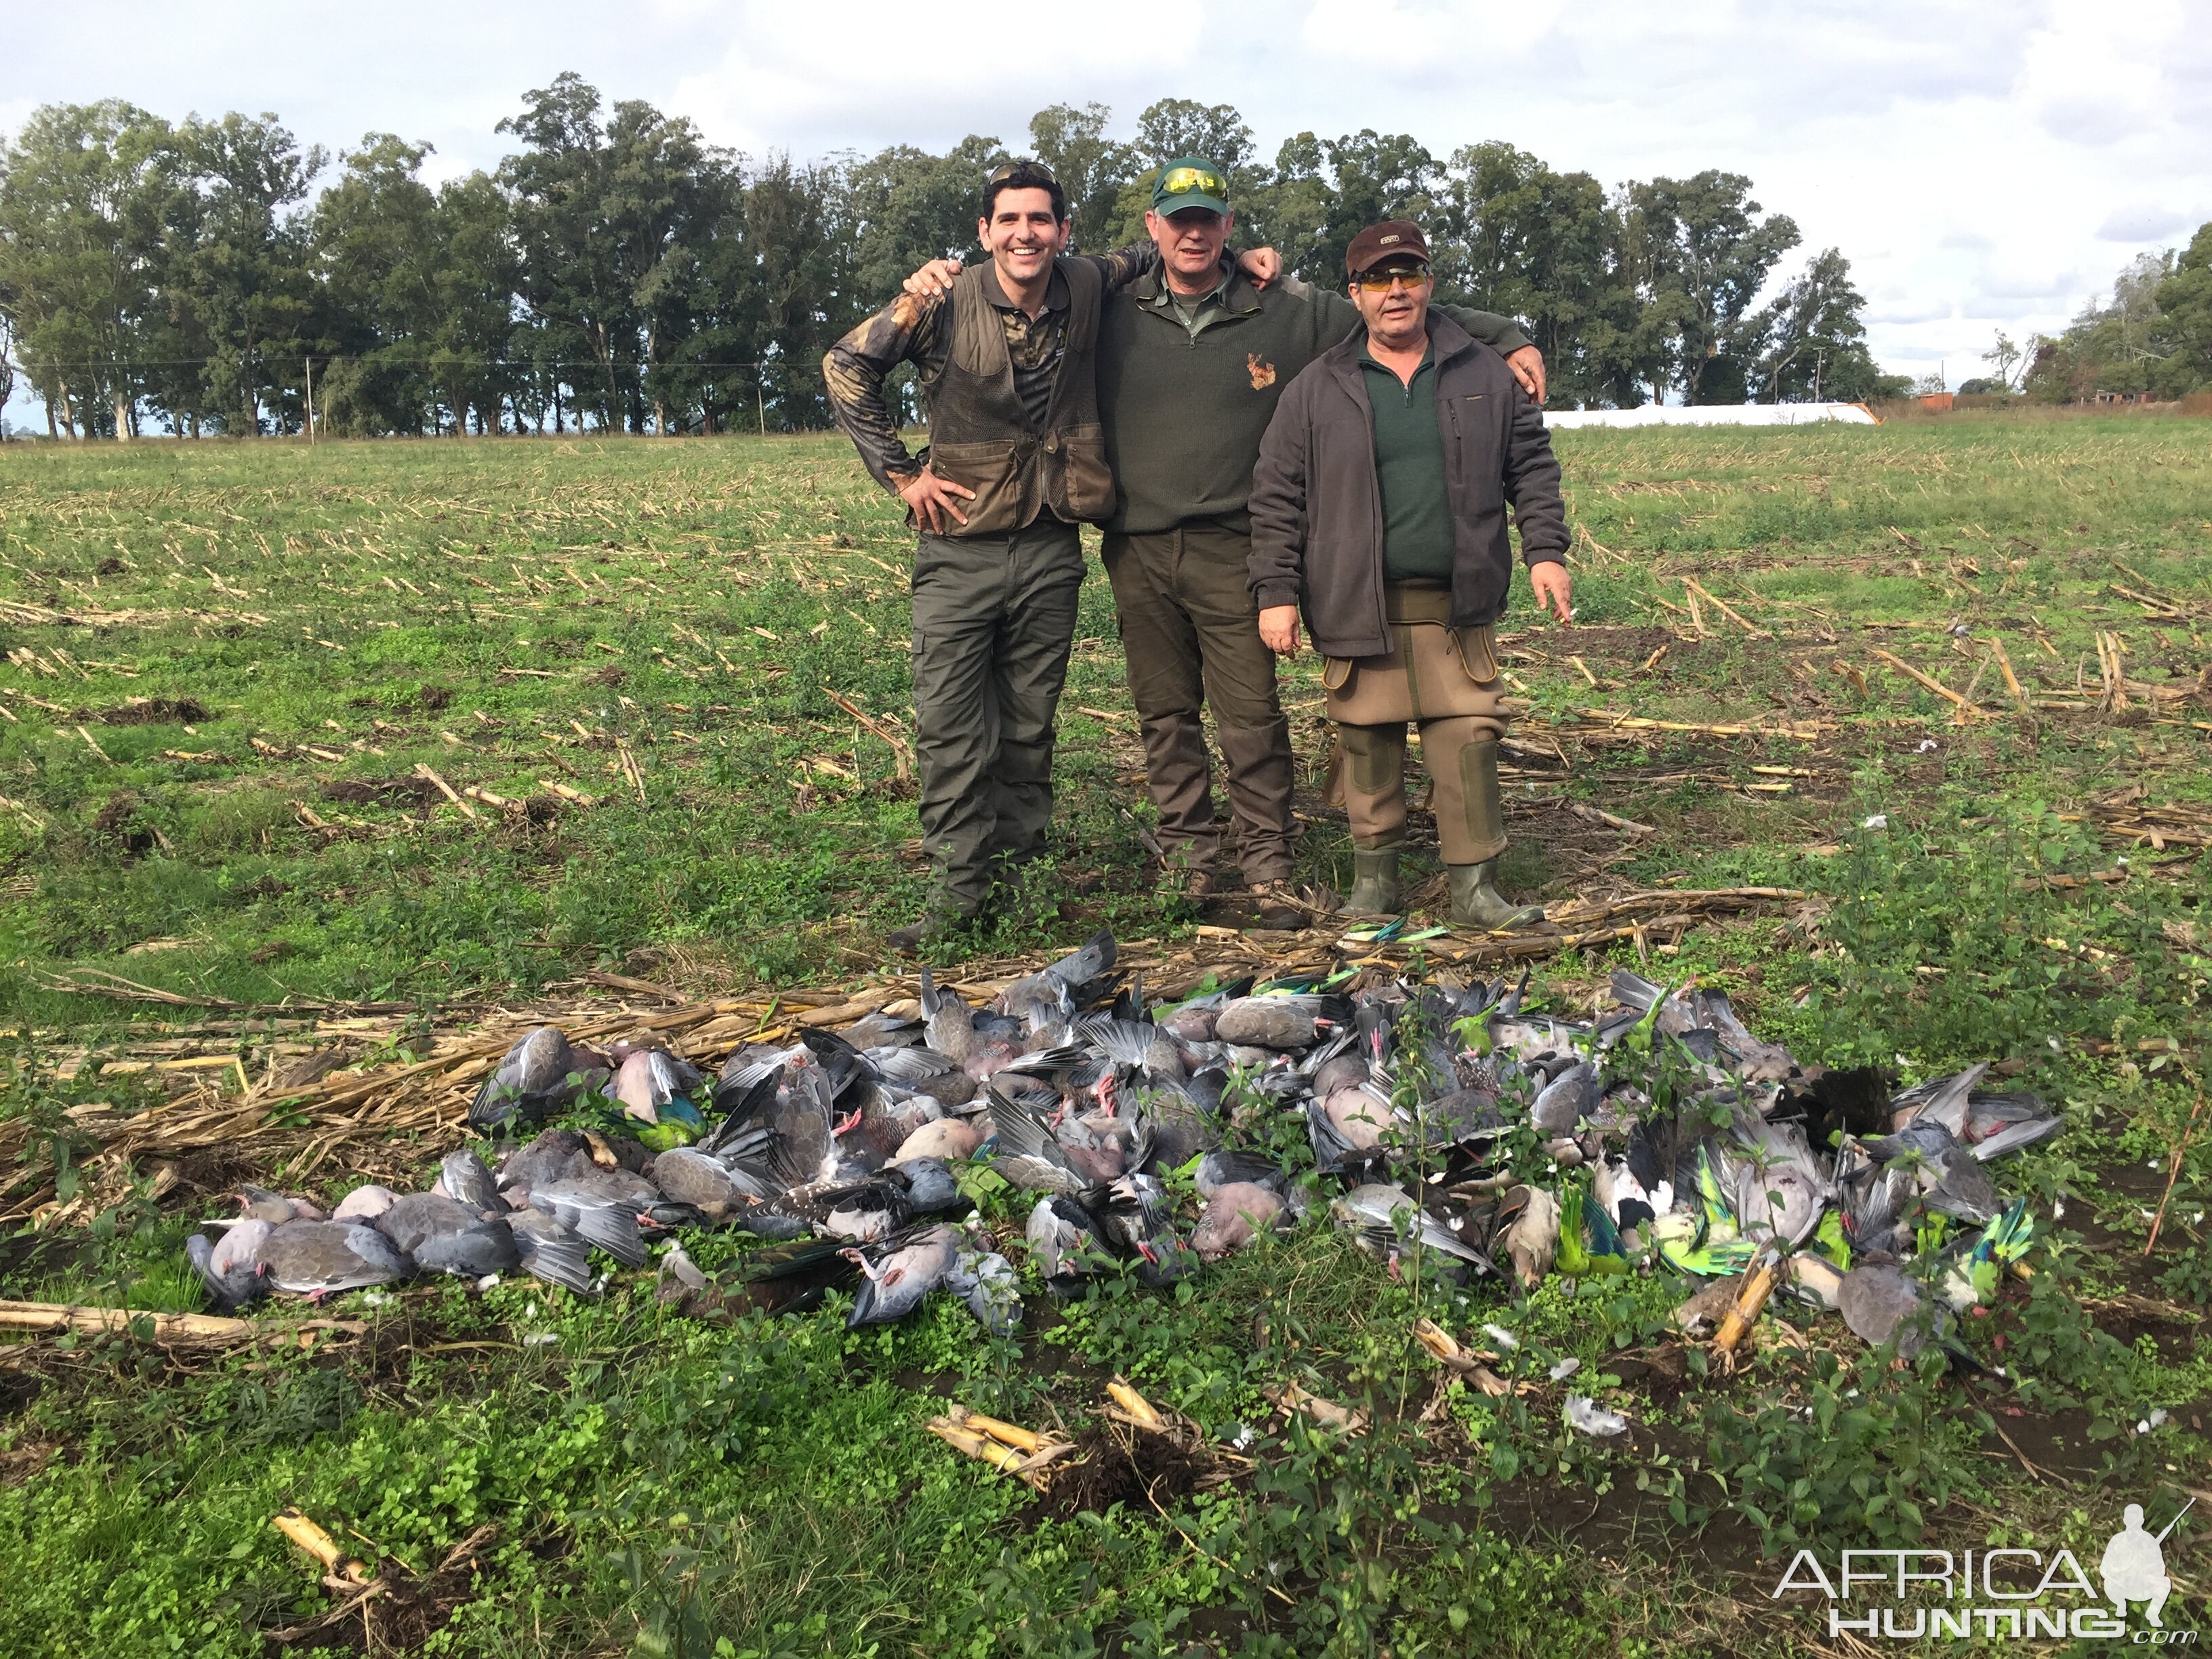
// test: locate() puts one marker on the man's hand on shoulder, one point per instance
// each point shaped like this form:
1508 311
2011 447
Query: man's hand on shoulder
1528 367
1553 587
927 495
936 278
1261 265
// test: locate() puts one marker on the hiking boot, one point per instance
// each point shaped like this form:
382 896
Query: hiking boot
1476 902
1189 883
937 926
1274 907
1374 883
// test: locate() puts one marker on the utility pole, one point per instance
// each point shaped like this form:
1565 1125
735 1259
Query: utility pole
760 401
311 403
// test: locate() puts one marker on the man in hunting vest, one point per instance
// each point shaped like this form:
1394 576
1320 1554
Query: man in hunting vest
1016 461
1193 357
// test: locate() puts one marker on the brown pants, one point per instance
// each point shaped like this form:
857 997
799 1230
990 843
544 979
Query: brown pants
1445 681
1191 631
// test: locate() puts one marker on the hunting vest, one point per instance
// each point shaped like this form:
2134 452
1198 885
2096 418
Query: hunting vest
981 437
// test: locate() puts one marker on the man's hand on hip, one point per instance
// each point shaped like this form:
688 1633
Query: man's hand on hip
1552 587
1528 367
1278 630
927 496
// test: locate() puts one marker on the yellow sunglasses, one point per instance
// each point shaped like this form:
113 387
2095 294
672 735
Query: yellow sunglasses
1186 181
1379 282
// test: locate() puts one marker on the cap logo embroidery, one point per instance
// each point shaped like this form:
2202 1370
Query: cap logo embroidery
1387 240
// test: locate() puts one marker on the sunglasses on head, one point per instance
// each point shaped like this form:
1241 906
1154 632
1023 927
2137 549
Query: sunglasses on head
1188 181
1006 170
1379 282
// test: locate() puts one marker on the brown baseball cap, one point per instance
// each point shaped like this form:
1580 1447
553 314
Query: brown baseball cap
1401 238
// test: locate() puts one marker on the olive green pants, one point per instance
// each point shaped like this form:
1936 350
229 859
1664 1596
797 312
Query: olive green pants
993 619
1191 632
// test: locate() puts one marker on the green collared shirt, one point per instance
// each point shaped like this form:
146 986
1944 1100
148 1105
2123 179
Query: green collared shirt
1409 465
1195 315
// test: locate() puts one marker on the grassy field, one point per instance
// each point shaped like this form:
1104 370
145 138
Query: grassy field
667 682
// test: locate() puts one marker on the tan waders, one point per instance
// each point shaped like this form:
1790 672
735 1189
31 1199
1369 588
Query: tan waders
1445 681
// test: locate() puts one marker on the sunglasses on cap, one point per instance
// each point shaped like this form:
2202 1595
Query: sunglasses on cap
1380 281
1192 181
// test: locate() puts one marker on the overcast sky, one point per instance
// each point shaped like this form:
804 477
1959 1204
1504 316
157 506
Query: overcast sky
1983 164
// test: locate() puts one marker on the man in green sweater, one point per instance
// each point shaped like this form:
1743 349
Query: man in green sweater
1192 359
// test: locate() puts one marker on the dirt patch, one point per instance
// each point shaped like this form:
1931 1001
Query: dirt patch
117 823
403 1616
383 792
1112 1466
215 1172
434 698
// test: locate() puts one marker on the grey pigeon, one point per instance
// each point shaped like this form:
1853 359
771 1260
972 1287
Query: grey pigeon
931 1188
950 1028
475 1252
259 1204
552 1155
1375 1211
691 1177
1218 1170
1134 1216
530 1081
985 1280
1561 1103
1234 1216
320 1258
551 1251
1781 1188
364 1203
231 1267
1061 1234
417 1217
1274 1021
893 1285
609 1223
1879 1302
463 1177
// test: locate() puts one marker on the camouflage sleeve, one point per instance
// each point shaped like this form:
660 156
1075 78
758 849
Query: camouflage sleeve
1501 334
906 331
1124 265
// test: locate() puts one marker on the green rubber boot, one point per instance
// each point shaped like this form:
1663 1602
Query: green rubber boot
1476 902
1374 883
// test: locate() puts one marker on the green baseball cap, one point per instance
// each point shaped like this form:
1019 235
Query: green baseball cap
1190 181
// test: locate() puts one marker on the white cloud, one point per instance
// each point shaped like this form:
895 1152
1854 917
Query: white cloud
1982 163
2142 224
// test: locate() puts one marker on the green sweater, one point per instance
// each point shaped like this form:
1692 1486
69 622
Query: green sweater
1409 467
1184 413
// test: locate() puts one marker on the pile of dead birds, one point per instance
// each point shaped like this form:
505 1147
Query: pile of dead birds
1446 1125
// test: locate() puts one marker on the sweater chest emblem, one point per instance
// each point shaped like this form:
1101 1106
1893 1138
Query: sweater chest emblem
1261 371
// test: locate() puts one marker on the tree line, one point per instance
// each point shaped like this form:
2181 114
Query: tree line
617 272
2151 339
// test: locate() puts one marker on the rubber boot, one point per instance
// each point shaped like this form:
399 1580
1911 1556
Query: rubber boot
939 923
1374 883
1476 902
